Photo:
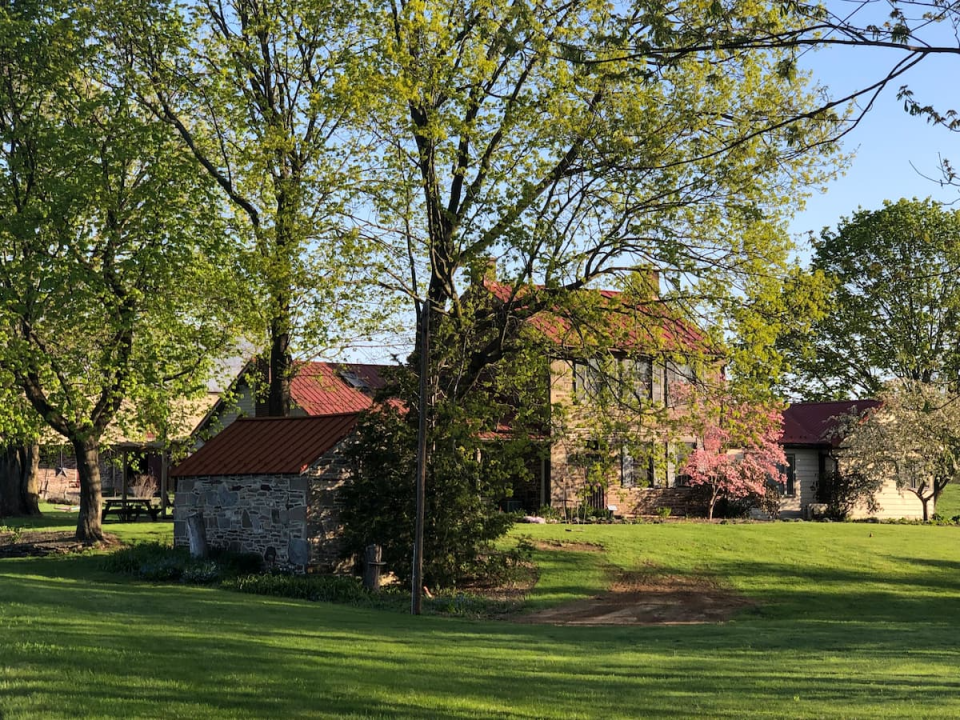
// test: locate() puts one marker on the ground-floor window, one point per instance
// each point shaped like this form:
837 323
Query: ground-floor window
637 471
682 479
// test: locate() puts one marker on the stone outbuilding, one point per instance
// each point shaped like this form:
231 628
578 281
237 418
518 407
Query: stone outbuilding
269 486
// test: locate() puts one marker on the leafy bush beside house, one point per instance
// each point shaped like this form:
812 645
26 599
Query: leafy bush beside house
461 519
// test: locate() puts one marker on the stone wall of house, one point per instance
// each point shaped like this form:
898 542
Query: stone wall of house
263 514
567 477
292 521
324 529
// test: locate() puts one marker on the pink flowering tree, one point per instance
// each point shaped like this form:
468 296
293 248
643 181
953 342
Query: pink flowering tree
738 455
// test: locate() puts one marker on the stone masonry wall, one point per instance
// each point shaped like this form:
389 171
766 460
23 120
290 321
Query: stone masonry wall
263 514
324 528
635 502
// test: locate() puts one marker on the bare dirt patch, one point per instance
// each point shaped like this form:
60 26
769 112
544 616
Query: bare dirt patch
571 545
41 544
648 599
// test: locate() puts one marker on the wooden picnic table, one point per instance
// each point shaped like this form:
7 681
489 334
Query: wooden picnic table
130 507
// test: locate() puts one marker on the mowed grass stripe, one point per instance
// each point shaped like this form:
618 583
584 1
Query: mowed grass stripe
847 625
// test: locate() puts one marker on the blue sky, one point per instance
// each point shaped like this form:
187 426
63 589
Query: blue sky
890 146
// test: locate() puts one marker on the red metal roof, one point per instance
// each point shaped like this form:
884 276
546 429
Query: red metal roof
814 423
633 326
321 388
276 446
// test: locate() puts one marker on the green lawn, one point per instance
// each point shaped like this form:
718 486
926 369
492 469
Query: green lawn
54 519
854 620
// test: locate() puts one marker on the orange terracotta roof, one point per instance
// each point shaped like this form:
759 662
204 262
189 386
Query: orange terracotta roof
275 446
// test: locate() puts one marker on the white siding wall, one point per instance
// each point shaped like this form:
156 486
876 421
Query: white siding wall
246 407
894 504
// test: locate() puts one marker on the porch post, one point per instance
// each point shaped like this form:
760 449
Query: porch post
164 480
123 479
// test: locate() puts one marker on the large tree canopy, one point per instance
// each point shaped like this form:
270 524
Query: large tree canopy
895 310
520 131
116 276
254 89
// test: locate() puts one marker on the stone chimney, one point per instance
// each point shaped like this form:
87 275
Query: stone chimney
484 271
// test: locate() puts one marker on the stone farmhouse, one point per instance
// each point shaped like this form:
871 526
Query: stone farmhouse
647 351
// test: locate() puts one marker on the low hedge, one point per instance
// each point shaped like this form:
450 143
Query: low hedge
156 562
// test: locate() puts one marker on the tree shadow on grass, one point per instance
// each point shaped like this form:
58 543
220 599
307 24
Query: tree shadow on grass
847 594
73 642
49 520
950 566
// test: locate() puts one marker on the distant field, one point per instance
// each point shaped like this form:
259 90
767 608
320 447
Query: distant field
848 620
949 504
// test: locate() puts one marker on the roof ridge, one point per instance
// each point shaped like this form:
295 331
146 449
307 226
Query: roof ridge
831 402
334 363
298 417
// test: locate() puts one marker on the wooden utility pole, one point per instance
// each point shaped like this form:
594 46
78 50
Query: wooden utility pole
417 589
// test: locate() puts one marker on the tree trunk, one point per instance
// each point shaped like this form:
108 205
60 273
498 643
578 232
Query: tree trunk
19 483
278 397
89 530
714 496
281 289
30 481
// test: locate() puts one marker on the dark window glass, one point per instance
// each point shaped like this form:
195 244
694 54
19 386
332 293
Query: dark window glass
789 488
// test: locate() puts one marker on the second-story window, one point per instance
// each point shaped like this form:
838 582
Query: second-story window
587 379
676 374
625 379
635 378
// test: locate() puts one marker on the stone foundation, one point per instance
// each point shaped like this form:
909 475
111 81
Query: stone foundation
682 501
